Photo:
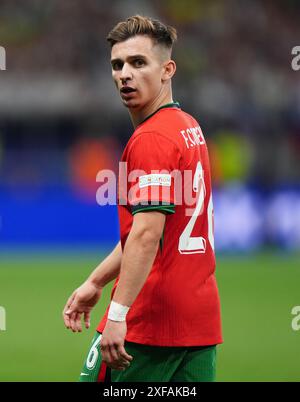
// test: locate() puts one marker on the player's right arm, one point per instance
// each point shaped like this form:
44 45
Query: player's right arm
84 298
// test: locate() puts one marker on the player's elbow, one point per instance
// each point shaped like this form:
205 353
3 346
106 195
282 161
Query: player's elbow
147 236
147 228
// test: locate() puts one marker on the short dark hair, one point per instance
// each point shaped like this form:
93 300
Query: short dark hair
162 34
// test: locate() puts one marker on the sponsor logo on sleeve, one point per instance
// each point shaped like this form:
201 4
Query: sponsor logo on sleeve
155 180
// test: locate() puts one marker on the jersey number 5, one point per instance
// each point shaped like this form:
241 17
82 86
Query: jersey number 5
187 243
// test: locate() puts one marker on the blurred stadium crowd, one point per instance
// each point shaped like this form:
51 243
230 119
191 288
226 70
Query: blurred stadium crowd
61 120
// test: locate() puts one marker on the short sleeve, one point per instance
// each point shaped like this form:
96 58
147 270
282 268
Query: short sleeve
152 167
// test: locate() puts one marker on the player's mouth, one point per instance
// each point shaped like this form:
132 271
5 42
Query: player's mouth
127 91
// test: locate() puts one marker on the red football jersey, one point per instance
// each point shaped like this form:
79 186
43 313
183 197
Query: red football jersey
166 167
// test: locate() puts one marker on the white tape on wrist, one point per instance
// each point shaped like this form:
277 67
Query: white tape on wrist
117 312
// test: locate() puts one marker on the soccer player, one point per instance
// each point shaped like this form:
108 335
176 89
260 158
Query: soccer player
163 322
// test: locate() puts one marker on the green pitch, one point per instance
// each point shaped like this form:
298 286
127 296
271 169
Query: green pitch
257 293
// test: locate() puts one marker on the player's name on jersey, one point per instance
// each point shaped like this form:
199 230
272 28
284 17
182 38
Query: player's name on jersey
192 136
2 58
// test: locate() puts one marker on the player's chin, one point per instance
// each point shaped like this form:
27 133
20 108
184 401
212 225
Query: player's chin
130 104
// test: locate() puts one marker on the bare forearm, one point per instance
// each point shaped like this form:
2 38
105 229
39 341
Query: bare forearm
108 269
139 253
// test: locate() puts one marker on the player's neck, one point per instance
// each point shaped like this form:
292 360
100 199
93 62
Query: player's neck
137 117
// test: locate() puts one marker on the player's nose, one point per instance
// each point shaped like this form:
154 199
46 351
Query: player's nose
126 73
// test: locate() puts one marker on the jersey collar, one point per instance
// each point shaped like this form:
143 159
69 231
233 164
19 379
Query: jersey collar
171 104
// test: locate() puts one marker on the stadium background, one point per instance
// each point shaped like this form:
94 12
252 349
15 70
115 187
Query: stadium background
61 122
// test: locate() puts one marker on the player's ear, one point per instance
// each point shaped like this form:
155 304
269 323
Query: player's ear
169 70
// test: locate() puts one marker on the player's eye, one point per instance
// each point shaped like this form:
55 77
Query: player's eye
117 65
139 62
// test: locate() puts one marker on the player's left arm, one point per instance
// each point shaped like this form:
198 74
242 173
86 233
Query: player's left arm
138 256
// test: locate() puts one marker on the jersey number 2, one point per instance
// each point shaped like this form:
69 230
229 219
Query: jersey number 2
187 243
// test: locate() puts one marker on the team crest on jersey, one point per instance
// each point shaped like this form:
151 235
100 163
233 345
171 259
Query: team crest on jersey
155 179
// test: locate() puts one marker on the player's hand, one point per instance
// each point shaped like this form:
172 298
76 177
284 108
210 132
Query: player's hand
112 345
79 304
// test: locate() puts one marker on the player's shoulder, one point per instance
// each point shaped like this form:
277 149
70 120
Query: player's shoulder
166 125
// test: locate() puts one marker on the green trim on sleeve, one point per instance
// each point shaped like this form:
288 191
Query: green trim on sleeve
169 209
